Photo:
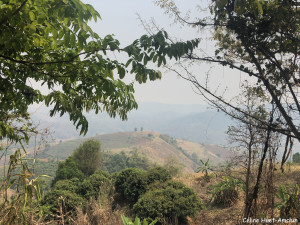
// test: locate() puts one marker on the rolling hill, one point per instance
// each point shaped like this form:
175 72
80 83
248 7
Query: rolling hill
159 148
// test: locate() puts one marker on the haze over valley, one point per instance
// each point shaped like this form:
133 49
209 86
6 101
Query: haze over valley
191 122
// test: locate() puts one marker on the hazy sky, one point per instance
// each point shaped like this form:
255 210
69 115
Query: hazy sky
119 17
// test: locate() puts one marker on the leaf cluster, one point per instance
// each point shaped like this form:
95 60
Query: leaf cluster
225 193
137 221
154 196
167 202
50 42
289 204
116 162
88 156
68 194
296 157
131 183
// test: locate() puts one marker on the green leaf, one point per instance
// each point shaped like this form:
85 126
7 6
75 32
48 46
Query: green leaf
128 62
31 15
159 61
145 59
259 7
121 71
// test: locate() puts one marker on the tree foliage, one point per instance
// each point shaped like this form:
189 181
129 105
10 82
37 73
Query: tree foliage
171 201
225 193
61 202
65 195
68 169
259 39
49 54
116 162
49 42
93 185
296 157
131 183
266 36
88 156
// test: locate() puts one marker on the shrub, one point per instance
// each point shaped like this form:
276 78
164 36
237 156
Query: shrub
130 184
58 202
296 157
225 193
85 189
67 170
137 221
91 186
99 177
117 162
289 205
63 196
67 185
114 162
171 201
158 173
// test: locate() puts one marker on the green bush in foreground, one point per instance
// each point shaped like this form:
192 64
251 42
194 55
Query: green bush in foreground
137 221
225 193
130 184
68 169
58 202
91 187
289 204
66 195
171 201
67 185
158 173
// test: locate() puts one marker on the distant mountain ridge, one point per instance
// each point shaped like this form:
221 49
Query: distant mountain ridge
190 122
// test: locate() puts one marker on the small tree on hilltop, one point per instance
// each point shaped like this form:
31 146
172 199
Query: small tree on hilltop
88 156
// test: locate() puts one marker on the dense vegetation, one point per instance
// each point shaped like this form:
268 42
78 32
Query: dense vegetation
72 188
296 157
50 43
151 194
119 161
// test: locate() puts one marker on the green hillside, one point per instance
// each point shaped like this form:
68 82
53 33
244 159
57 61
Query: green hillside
158 148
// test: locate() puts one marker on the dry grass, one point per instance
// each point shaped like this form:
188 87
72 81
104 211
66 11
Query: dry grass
98 214
147 142
211 215
233 214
